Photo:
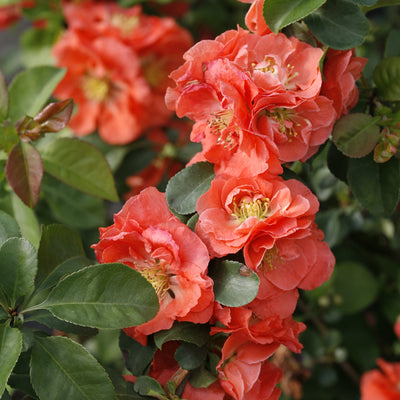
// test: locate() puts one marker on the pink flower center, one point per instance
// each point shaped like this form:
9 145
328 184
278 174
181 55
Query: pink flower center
96 89
285 119
248 207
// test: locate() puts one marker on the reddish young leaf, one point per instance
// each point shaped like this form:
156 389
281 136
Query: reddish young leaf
55 116
24 171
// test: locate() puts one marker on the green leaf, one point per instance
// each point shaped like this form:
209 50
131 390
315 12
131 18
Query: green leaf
71 206
103 296
356 287
184 331
46 318
184 188
24 171
27 220
337 163
80 165
30 90
338 24
5 396
67 267
363 2
202 378
63 369
387 78
381 3
18 266
147 386
10 349
190 356
57 244
8 136
235 285
3 98
20 378
356 135
8 227
280 13
376 186
139 357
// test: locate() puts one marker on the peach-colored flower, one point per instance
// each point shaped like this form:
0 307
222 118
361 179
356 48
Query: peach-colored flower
118 61
104 79
255 17
341 71
381 385
235 209
13 12
297 131
147 237
301 260
244 325
247 375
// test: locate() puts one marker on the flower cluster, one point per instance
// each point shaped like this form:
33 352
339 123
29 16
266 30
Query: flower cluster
257 100
118 61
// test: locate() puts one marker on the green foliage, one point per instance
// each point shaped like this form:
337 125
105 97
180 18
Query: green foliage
61 368
103 296
338 24
387 77
376 186
235 284
3 98
30 90
280 13
184 189
10 349
18 266
356 135
80 165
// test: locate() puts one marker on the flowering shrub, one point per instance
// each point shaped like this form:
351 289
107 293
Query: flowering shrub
255 252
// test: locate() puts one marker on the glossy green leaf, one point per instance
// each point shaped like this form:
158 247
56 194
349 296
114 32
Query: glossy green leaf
30 90
338 24
376 186
202 378
80 165
147 386
8 227
57 244
24 171
387 78
235 285
280 13
63 369
3 98
71 206
184 331
103 296
355 286
48 319
27 220
381 3
8 136
10 349
356 135
363 2
190 356
185 188
18 266
66 267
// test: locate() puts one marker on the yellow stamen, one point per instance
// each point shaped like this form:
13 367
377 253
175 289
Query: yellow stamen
96 89
218 127
155 274
251 208
126 23
284 117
